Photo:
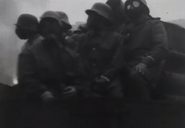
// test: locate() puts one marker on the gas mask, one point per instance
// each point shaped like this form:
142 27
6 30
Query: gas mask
134 9
22 34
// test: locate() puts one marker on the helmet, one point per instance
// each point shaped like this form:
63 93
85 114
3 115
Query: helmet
146 6
27 22
64 18
118 8
143 2
113 3
51 14
82 28
103 10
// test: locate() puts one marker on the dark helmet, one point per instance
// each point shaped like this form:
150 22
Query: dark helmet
143 2
27 22
118 8
82 28
64 18
51 14
113 3
103 10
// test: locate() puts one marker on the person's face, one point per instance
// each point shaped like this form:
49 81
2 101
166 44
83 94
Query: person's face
22 34
49 26
95 21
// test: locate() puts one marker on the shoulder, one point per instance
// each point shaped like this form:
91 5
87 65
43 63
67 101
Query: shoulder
115 35
37 45
38 39
156 22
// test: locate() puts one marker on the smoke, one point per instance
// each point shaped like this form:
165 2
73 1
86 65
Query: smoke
10 44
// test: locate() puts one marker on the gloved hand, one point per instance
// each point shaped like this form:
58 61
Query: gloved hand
69 91
141 67
48 97
101 83
101 79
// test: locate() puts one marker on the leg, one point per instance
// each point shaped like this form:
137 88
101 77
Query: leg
115 88
137 87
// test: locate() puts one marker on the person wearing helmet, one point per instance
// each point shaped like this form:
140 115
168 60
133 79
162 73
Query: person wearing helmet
45 69
146 49
98 47
120 17
26 29
64 19
81 29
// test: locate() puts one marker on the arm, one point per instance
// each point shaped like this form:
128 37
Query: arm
27 75
117 62
159 41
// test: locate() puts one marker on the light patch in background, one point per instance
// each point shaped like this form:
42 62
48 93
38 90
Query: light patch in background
166 9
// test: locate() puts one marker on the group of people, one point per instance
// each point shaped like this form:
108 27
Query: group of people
96 62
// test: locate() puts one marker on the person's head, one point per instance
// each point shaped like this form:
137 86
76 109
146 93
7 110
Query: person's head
81 29
99 16
26 26
135 8
50 24
65 20
118 7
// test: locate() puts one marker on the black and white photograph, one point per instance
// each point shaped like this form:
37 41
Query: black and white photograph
92 63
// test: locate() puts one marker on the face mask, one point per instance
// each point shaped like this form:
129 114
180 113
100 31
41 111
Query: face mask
49 27
134 9
21 33
97 22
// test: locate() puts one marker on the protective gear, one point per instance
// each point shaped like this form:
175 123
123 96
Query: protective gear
64 18
113 3
21 33
83 28
51 14
103 10
27 22
135 8
50 24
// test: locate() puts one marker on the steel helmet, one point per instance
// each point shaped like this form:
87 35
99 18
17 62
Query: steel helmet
51 14
146 6
103 10
81 28
143 2
118 8
64 18
27 22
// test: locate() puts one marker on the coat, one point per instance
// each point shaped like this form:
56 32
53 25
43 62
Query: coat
98 52
46 67
146 42
31 41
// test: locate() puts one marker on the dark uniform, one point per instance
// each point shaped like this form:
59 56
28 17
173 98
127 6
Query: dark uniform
46 67
29 42
98 52
146 43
